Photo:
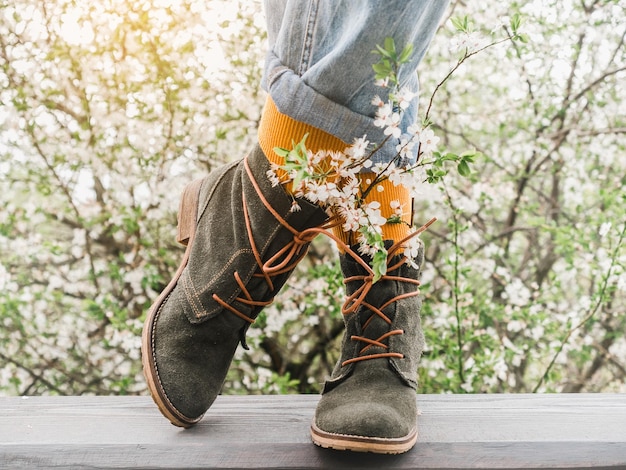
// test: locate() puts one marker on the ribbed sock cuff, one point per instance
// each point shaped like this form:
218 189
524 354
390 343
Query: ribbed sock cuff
392 199
279 130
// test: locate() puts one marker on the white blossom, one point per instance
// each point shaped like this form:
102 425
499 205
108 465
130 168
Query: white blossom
604 229
428 141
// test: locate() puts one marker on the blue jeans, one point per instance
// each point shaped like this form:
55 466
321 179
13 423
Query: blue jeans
319 64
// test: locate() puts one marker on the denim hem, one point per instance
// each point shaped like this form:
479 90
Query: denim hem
295 98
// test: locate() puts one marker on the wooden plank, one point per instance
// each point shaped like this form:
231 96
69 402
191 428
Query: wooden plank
456 431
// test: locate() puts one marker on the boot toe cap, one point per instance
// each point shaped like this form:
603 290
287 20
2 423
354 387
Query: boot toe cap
367 420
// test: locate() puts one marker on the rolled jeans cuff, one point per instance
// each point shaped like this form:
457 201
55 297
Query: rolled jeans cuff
295 98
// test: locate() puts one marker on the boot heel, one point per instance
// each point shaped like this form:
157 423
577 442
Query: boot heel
188 212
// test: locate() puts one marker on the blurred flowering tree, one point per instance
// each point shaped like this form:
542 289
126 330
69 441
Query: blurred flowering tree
526 291
108 108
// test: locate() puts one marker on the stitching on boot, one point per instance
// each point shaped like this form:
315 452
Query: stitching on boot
194 296
190 289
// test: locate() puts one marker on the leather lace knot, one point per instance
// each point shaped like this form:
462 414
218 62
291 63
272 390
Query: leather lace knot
283 261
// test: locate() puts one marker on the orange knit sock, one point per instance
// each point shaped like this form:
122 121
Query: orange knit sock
394 200
279 130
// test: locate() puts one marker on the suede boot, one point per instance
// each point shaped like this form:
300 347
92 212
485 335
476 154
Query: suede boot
369 403
242 243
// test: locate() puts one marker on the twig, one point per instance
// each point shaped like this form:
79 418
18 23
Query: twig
455 290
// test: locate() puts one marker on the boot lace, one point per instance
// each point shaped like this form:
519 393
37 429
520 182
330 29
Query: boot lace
357 300
286 259
283 261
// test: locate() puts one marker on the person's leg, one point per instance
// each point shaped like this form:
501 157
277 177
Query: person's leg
369 403
242 239
320 81
319 64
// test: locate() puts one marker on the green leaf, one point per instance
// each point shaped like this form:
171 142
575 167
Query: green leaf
394 219
450 157
382 51
390 46
379 264
469 156
406 54
516 21
382 69
434 176
299 176
281 152
461 24
463 168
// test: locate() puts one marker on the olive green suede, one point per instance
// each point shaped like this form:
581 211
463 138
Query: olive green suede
192 337
375 398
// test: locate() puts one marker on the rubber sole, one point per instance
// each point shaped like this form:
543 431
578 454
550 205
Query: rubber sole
187 221
375 445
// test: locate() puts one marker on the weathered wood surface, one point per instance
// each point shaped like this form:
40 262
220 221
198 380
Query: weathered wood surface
456 431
